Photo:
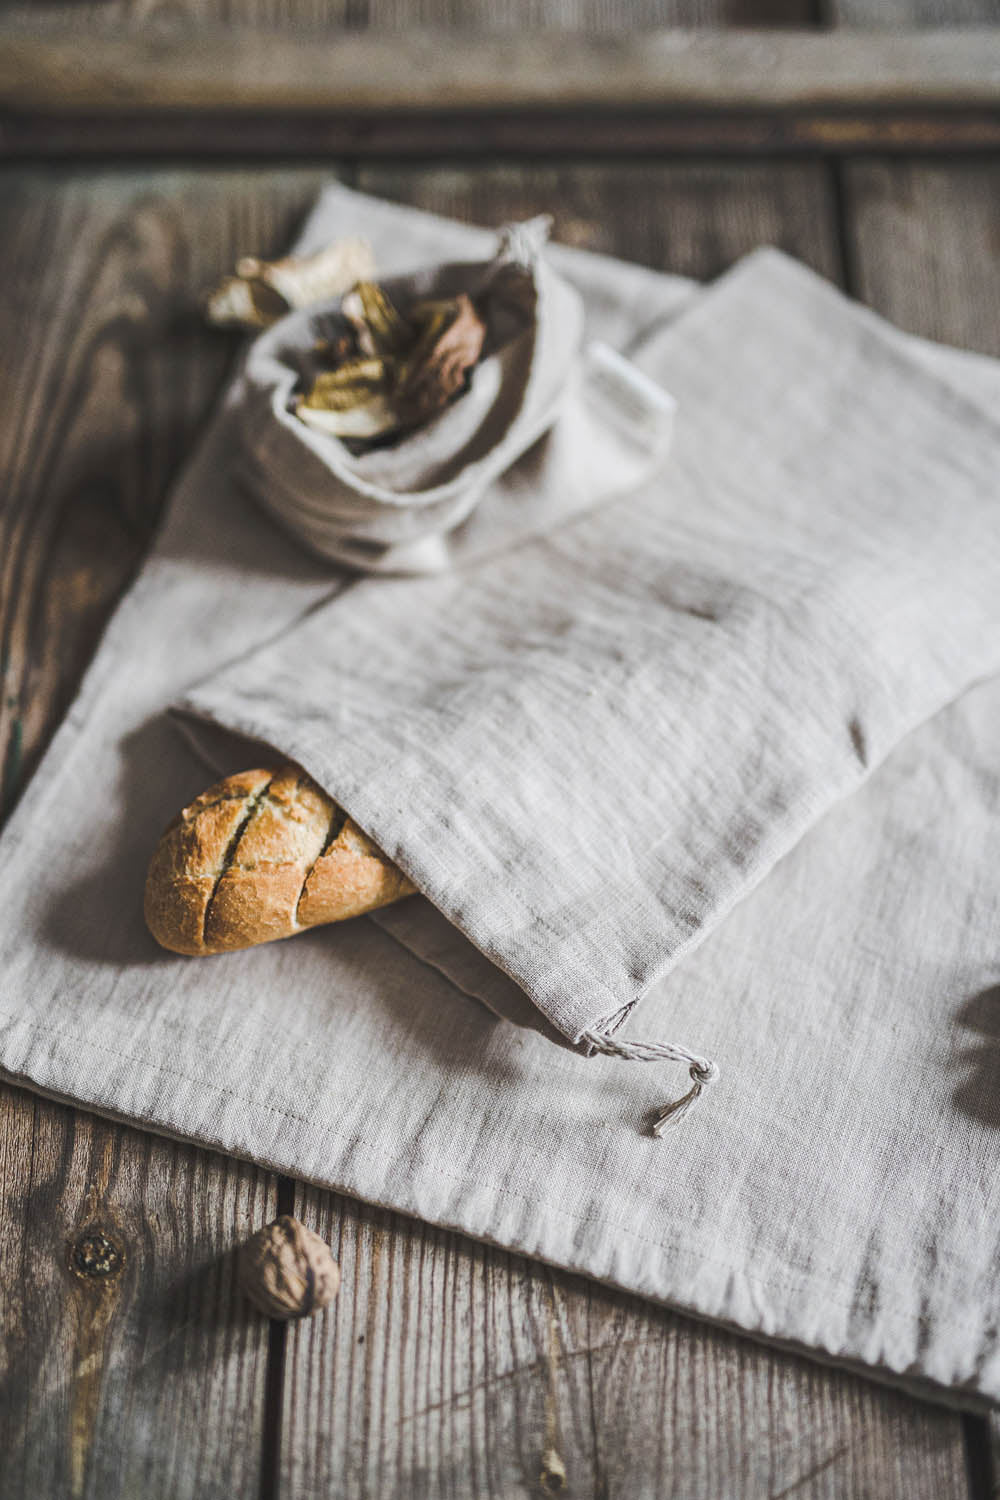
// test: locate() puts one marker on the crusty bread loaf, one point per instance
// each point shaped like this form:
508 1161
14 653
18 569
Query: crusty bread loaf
262 855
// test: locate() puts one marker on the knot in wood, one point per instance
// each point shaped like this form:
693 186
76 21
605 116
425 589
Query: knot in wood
95 1255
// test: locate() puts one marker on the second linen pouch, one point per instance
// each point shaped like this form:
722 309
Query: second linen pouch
584 751
542 429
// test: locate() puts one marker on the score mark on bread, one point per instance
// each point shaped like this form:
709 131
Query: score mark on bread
262 855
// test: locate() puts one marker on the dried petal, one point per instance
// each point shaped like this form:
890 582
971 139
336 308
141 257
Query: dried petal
262 291
414 365
373 419
304 279
350 384
352 401
243 303
449 346
380 328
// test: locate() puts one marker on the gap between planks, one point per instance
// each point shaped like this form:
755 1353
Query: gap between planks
486 136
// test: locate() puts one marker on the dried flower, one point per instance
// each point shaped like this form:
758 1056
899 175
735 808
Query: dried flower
240 303
411 366
379 326
352 401
287 1271
262 291
450 343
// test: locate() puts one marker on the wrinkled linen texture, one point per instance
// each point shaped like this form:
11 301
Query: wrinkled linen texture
585 751
837 1190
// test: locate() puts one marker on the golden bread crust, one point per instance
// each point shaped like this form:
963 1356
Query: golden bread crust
352 877
259 856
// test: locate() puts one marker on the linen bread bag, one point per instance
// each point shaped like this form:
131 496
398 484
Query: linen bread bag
584 751
403 505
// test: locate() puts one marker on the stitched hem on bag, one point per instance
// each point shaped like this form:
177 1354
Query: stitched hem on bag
927 1383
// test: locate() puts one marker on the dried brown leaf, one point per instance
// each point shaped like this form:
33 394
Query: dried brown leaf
449 346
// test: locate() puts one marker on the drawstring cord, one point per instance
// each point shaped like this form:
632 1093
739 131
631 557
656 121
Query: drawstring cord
701 1069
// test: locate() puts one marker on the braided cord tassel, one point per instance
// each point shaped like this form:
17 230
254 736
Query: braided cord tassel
701 1069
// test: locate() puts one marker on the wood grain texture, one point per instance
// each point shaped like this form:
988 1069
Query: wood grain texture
130 1364
888 14
925 244
485 16
84 88
601 16
485 135
993 1440
693 219
107 374
598 16
148 72
451 1369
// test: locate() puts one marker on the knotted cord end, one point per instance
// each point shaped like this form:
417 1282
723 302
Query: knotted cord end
521 244
701 1069
702 1074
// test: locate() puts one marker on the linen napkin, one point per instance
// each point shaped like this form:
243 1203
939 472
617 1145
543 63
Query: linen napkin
835 1192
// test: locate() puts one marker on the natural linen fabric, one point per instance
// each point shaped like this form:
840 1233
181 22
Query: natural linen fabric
586 750
835 1192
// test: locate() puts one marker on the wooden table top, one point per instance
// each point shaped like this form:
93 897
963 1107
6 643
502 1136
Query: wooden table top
446 1367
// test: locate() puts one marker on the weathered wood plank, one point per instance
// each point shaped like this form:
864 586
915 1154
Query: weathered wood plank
993 1440
106 377
891 14
693 219
143 71
925 244
600 16
130 1365
608 16
483 135
450 1368
596 16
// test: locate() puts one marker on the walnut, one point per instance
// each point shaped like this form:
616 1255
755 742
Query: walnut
287 1271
